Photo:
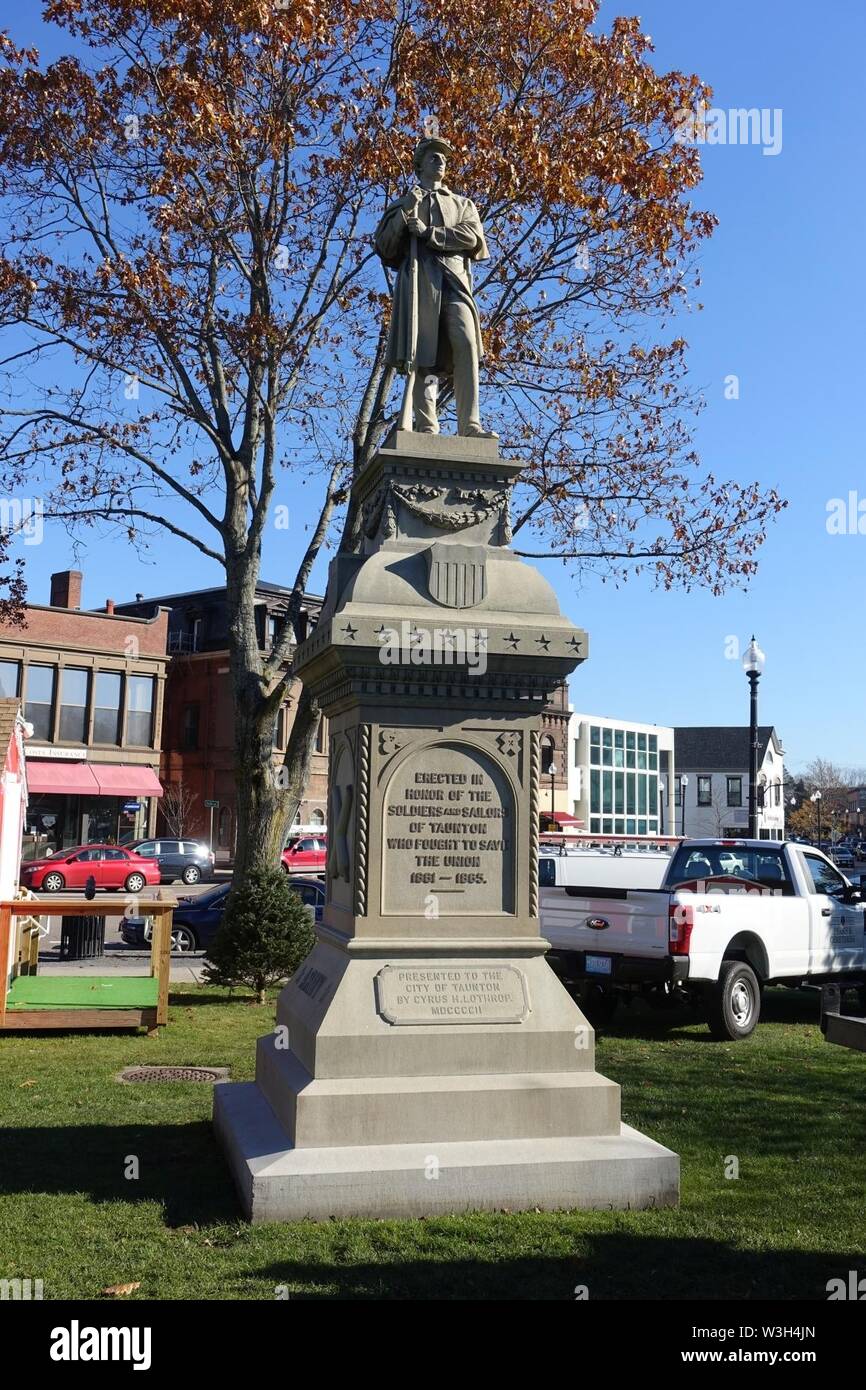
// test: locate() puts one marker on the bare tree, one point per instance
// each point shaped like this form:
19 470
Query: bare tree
177 808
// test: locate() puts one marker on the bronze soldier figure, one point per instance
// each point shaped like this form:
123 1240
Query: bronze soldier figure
431 237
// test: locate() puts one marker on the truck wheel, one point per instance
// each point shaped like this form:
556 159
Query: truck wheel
734 1002
597 1003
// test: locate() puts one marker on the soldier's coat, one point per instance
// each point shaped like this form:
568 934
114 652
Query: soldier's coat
456 241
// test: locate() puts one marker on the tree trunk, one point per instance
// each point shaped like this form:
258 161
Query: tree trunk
268 795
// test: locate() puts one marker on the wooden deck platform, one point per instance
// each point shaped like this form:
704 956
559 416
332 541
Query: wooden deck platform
31 1001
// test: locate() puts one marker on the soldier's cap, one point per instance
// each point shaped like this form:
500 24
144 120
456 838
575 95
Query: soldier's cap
435 142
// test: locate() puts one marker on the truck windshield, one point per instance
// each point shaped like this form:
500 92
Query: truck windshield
764 867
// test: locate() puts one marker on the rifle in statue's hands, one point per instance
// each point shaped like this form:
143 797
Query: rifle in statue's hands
404 421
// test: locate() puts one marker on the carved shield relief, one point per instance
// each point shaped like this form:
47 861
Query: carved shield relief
456 574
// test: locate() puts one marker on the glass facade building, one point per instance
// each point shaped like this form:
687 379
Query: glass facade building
621 776
623 782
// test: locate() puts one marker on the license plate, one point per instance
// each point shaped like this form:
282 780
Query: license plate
597 965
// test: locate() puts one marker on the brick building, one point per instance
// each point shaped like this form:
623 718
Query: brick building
91 685
554 754
198 729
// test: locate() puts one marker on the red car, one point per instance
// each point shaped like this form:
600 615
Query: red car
306 854
109 865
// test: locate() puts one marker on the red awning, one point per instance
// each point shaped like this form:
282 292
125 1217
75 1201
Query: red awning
115 780
563 818
70 779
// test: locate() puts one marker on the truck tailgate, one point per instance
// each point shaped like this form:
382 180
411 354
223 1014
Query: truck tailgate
636 921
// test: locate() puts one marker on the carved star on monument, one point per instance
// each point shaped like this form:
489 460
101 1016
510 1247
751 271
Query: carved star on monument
351 632
542 641
575 643
513 640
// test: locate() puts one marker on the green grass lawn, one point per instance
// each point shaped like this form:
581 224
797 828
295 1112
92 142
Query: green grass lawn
785 1104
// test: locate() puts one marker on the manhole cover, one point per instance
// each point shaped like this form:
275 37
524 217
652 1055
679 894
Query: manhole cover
209 1074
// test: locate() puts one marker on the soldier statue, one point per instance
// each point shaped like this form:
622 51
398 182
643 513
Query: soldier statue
431 237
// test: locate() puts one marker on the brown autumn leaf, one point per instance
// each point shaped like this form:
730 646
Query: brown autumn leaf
119 1290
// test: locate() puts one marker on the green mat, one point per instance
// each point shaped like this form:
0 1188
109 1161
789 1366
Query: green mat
83 992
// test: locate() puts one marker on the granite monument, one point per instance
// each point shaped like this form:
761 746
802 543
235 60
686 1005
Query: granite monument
425 1057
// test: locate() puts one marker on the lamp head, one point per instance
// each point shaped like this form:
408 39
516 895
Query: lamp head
753 659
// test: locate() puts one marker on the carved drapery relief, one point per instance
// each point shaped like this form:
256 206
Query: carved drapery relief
445 508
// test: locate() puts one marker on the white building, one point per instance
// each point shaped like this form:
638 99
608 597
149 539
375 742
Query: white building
715 799
620 776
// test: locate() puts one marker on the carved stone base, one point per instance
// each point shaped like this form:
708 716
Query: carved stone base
622 1170
477 1066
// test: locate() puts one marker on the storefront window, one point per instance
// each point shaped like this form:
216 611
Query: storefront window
106 820
106 713
10 679
40 700
73 704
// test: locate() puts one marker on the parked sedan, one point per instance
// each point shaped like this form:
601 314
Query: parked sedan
196 920
189 860
108 865
842 857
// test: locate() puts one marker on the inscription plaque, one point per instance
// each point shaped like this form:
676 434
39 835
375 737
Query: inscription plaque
448 835
452 994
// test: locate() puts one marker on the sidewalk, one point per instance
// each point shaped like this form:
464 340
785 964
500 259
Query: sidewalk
118 959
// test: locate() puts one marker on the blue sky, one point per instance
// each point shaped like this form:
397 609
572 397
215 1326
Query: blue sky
783 296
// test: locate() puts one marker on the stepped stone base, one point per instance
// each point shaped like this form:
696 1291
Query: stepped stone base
350 1114
624 1169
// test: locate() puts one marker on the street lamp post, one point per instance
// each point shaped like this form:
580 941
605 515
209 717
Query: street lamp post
552 771
753 665
662 790
816 797
684 782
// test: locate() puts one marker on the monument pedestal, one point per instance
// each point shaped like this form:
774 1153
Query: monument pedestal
350 1120
624 1170
426 1058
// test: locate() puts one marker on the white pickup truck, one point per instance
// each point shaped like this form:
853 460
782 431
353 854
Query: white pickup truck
730 917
